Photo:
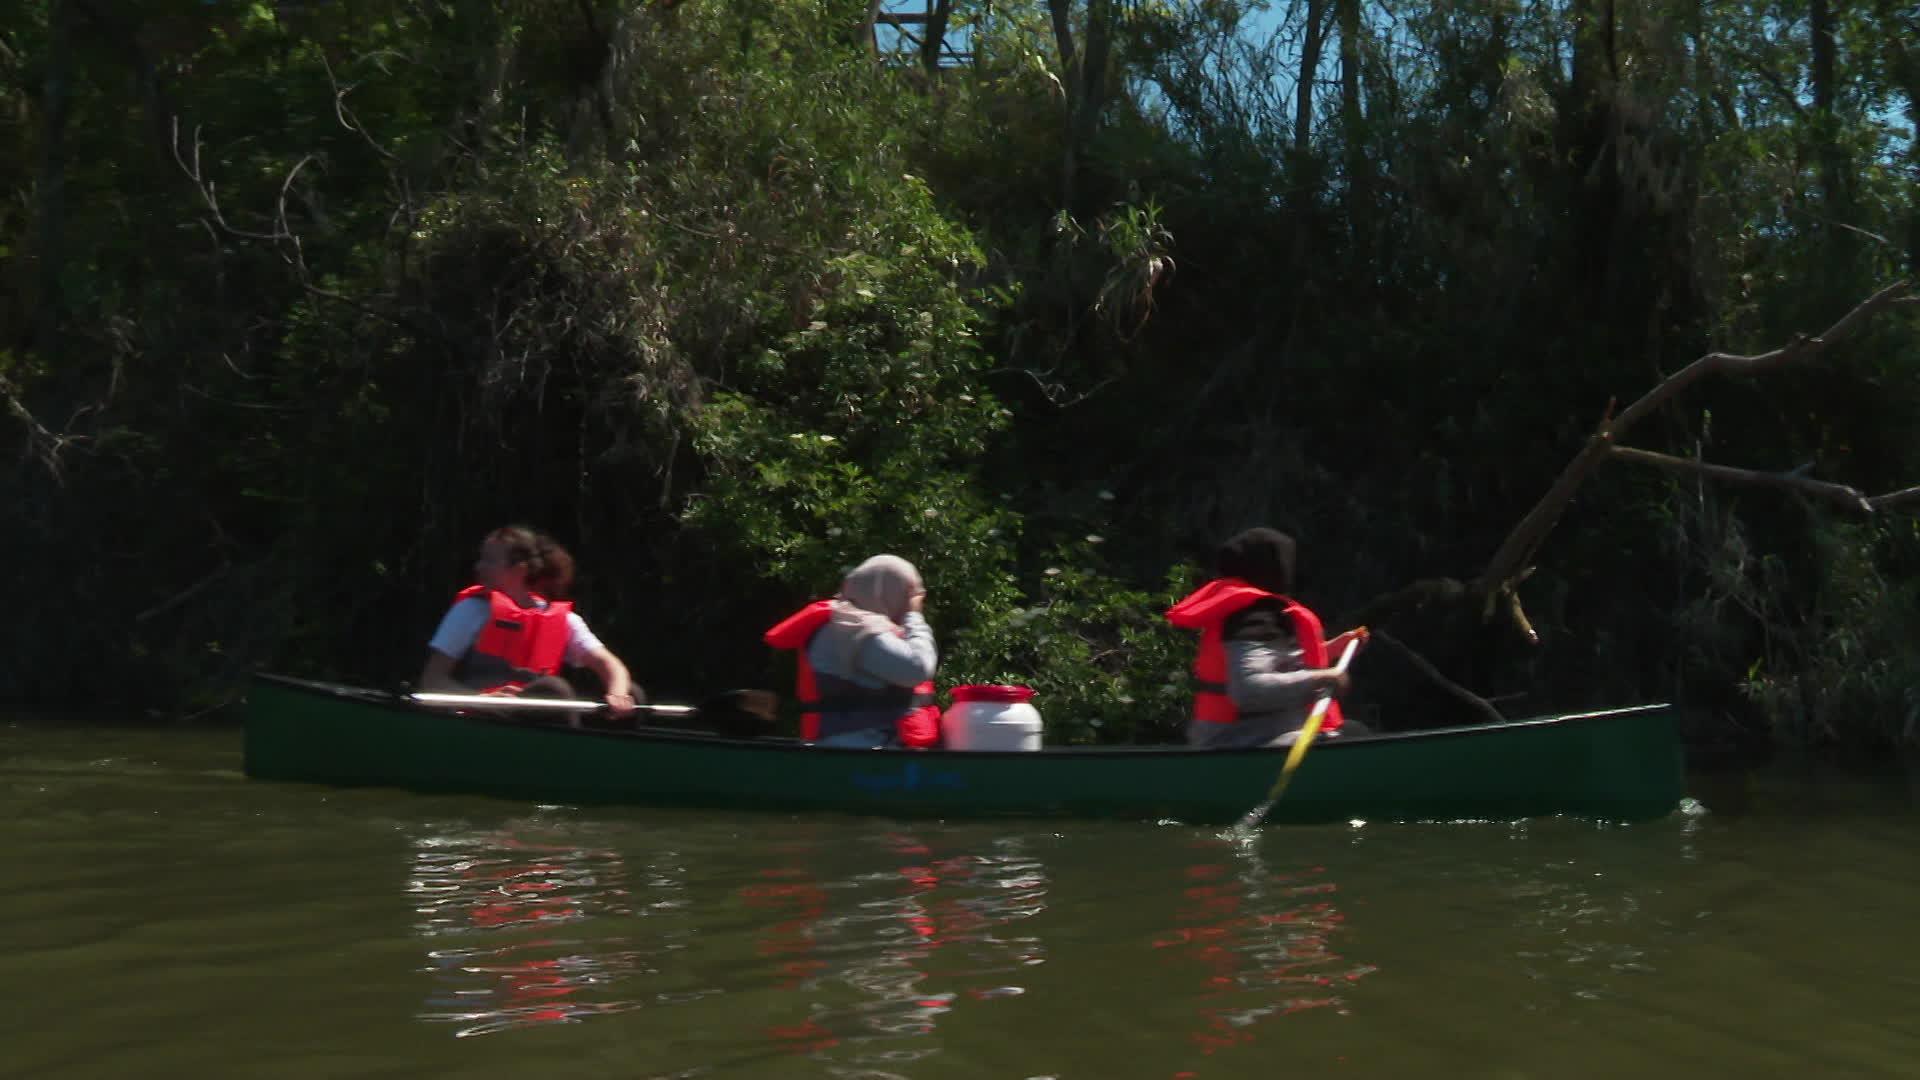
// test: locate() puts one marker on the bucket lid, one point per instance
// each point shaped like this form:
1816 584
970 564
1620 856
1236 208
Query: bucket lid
992 692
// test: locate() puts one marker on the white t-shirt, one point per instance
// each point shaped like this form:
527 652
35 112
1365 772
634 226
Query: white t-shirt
460 627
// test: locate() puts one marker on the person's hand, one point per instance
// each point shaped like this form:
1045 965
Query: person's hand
1339 644
919 600
1334 682
620 704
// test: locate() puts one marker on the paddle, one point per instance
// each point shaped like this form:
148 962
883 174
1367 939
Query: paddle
736 712
1299 752
538 704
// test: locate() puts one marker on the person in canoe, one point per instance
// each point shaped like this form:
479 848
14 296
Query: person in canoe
866 660
511 632
1263 656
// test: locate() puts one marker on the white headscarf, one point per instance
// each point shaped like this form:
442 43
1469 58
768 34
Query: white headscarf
874 599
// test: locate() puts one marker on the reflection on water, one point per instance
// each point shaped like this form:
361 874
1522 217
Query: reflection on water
1261 940
872 939
505 916
171 916
885 953
868 942
875 951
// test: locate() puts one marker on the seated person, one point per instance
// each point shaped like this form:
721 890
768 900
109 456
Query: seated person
866 660
1262 658
505 636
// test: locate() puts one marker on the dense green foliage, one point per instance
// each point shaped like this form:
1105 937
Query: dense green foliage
303 297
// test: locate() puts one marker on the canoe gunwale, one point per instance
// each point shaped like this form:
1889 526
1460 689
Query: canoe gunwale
398 702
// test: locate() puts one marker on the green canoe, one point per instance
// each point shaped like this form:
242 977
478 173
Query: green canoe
1621 764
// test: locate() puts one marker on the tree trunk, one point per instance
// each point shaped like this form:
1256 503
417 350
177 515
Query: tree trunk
935 36
1593 195
1826 124
1086 89
1913 176
1903 64
1309 69
1350 115
1062 12
53 179
1093 68
1592 26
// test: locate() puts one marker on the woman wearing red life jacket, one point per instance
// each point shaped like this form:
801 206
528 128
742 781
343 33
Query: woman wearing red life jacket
1263 656
504 635
866 660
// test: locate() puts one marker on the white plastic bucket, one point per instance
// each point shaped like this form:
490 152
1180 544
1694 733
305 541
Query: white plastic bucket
991 717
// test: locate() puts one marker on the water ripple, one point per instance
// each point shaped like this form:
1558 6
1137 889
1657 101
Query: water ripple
510 895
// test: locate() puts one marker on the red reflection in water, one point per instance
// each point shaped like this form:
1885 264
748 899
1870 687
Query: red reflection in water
1255 962
490 887
803 1038
797 902
875 937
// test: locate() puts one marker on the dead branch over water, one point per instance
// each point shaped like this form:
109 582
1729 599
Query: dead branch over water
1496 589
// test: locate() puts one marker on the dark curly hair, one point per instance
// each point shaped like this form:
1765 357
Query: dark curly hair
549 566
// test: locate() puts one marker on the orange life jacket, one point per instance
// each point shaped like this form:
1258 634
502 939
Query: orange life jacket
517 645
919 721
1207 610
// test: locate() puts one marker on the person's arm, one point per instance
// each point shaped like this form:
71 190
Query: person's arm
437 674
586 650
614 676
901 661
1263 678
459 628
1264 672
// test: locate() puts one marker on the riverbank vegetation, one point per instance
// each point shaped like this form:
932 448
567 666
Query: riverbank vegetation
302 297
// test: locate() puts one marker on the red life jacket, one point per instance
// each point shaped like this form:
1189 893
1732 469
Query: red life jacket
517 645
919 723
1207 611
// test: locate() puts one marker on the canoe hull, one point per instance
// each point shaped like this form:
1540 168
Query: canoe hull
1623 765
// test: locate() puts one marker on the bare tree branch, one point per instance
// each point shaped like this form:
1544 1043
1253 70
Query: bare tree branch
1480 704
1496 589
345 115
1517 549
185 594
1840 495
43 443
284 240
1895 500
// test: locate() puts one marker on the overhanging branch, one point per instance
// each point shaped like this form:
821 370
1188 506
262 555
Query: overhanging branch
1509 561
1840 495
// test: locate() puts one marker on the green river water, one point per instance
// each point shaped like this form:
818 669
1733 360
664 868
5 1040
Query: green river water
164 915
